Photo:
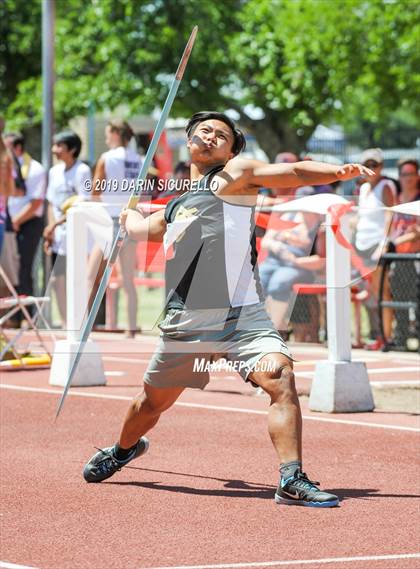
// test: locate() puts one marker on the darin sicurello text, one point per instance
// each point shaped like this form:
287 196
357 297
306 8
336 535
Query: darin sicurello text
149 186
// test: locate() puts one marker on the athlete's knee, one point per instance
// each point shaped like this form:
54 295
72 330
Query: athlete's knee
279 383
144 404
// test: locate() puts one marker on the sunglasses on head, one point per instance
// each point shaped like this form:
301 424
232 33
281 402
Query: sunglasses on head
371 164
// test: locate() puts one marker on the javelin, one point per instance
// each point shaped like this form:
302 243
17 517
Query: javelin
132 202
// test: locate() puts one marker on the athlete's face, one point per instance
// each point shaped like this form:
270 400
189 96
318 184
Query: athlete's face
211 142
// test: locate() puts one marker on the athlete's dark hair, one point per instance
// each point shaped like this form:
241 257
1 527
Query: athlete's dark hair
71 140
123 128
239 142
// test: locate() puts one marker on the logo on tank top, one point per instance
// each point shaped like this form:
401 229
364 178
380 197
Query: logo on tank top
184 213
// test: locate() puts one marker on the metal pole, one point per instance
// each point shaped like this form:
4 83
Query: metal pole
91 133
48 17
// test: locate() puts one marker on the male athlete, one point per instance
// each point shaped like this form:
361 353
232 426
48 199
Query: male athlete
215 306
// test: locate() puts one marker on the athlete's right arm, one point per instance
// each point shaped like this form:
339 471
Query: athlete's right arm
139 228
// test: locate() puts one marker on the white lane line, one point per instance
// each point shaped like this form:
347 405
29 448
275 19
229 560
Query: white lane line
208 407
397 370
6 565
124 360
374 370
323 561
115 373
395 383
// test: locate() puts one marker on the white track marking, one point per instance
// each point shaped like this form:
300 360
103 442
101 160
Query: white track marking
208 407
394 369
124 360
304 374
6 565
323 561
401 383
371 371
115 373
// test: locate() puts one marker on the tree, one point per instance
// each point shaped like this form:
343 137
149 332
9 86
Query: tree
299 62
20 51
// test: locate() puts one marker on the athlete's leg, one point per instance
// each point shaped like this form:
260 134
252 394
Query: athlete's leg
127 264
60 294
144 412
284 418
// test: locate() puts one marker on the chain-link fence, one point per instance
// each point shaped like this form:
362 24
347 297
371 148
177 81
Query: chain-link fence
403 271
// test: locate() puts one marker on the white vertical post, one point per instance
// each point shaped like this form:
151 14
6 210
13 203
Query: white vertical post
338 296
76 273
90 370
339 385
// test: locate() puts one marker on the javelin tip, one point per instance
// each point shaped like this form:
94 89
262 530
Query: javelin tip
185 56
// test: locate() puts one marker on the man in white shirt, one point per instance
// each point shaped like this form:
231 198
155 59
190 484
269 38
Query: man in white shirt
67 180
26 208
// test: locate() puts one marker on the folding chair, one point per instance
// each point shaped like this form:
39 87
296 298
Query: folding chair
18 303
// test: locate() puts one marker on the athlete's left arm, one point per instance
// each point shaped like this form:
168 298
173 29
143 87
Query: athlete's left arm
285 176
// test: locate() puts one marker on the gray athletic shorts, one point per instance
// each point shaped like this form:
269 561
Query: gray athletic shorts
190 340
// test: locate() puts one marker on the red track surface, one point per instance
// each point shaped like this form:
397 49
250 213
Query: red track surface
203 495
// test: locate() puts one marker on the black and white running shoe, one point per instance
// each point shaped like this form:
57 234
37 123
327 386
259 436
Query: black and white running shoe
103 464
299 490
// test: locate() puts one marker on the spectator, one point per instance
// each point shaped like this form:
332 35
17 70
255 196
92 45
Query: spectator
115 171
289 261
372 228
405 236
7 184
26 208
68 179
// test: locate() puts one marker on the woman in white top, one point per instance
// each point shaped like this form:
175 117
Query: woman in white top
115 173
373 225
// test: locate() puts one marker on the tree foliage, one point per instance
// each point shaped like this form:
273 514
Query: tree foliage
301 62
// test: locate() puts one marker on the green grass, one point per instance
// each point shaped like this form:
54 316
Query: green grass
150 307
